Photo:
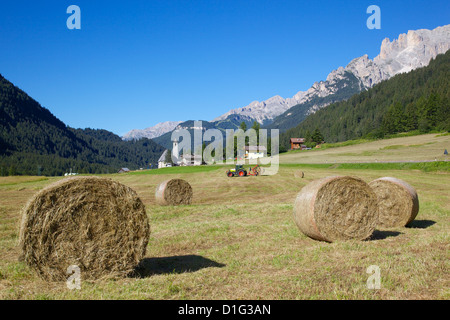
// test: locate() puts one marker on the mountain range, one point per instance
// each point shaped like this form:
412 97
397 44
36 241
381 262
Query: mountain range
404 88
151 132
415 101
410 51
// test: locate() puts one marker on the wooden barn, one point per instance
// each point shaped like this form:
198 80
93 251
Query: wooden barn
297 143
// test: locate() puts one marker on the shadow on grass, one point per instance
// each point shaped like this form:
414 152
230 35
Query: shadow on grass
381 235
421 224
177 264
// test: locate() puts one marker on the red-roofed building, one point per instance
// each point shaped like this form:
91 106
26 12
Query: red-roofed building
297 143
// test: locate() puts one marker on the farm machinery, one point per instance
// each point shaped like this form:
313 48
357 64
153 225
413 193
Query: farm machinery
239 171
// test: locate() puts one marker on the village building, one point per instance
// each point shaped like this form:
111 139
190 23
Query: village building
255 152
191 160
298 144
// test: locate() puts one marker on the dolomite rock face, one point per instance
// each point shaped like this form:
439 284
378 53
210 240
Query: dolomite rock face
265 110
410 51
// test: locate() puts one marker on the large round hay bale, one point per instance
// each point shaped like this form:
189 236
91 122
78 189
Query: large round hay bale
336 208
174 192
94 223
398 203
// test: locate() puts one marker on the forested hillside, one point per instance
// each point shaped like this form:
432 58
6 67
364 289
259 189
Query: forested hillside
418 100
33 141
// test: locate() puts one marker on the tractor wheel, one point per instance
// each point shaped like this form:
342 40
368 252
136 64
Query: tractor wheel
241 173
229 174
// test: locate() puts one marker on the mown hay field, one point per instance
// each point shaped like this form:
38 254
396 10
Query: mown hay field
238 240
426 147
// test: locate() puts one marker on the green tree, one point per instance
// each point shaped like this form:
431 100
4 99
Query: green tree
395 120
317 136
256 126
12 170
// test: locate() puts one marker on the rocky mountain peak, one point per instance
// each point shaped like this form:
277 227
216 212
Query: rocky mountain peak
151 132
410 51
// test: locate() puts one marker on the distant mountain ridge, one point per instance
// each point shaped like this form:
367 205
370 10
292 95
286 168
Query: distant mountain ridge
410 51
415 101
151 132
231 122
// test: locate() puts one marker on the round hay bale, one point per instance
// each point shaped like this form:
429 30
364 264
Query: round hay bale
173 192
336 208
94 223
299 174
398 203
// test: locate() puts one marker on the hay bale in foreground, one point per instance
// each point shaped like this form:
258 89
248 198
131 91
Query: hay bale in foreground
398 203
336 208
97 224
174 192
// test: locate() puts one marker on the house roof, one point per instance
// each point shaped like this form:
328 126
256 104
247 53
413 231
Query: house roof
124 170
163 157
297 140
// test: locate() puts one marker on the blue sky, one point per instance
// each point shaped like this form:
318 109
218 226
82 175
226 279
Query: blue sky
136 63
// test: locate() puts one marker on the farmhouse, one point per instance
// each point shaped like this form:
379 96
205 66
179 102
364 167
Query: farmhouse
255 152
191 160
297 143
122 170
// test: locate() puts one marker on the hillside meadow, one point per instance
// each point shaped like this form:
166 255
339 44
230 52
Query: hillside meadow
238 240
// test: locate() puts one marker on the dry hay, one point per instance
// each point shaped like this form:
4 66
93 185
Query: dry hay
299 174
336 208
94 223
398 203
174 192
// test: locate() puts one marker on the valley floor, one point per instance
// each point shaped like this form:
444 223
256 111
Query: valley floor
238 240
420 148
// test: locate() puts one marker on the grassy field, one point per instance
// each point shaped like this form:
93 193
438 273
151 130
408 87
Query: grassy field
427 147
238 239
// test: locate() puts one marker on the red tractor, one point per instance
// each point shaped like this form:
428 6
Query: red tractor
239 171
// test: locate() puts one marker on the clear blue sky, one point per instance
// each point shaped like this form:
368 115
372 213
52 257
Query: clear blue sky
136 63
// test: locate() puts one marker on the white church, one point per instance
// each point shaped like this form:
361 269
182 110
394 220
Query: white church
184 160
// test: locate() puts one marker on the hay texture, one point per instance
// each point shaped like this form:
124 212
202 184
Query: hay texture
174 192
398 203
336 208
299 174
94 223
